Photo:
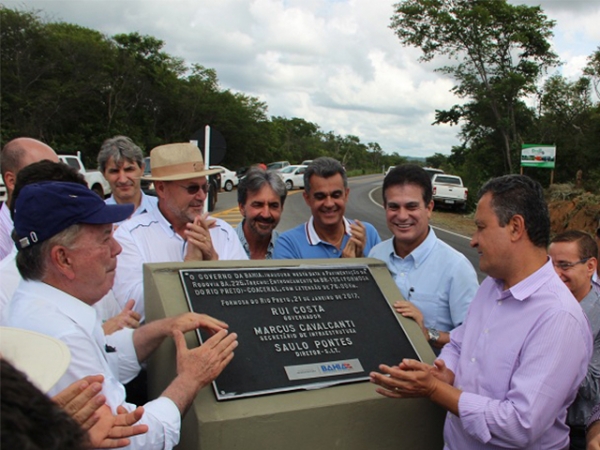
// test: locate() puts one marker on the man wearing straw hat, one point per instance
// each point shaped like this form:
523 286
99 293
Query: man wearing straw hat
178 230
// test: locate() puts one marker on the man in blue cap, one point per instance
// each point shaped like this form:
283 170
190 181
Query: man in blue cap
67 258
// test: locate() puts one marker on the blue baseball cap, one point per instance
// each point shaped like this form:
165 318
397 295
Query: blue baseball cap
44 209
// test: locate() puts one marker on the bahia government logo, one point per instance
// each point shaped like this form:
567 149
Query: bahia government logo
339 367
324 369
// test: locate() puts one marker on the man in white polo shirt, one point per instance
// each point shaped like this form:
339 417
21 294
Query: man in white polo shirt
178 230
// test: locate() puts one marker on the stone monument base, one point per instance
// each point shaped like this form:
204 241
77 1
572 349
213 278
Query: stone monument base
350 417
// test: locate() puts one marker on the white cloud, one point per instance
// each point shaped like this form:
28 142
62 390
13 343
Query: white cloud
332 62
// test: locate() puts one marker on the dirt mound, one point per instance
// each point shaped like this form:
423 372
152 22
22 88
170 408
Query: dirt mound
570 209
573 209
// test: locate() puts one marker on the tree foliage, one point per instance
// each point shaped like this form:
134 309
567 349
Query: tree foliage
496 52
73 87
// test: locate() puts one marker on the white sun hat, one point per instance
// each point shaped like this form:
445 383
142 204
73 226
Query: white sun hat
42 358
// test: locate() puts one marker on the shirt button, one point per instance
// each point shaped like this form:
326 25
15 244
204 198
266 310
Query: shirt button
499 302
472 359
401 274
486 331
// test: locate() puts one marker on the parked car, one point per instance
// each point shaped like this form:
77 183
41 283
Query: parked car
94 178
213 180
229 179
448 190
241 172
147 185
293 176
278 165
306 162
431 171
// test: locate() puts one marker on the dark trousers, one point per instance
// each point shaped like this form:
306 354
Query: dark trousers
137 389
577 436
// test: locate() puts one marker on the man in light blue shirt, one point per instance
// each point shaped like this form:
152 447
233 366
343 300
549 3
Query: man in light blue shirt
514 366
327 234
122 164
437 282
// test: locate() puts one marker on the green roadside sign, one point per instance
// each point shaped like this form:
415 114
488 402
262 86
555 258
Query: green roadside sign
538 155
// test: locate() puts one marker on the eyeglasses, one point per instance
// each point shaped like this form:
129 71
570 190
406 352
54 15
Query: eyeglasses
193 189
563 265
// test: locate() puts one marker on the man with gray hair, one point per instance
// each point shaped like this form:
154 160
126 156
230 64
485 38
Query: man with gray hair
261 195
327 234
67 258
122 164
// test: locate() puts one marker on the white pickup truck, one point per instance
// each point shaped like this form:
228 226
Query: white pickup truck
95 180
448 190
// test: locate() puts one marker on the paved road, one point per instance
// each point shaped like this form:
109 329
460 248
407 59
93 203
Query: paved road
364 204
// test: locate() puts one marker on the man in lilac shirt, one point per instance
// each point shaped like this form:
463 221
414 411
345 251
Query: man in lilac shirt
514 366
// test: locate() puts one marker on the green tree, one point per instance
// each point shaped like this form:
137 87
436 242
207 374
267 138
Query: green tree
437 160
569 119
73 87
592 70
501 50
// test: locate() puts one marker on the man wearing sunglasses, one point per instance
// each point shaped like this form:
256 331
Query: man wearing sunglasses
178 230
573 254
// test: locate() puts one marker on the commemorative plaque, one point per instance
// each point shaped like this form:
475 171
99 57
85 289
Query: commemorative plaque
298 327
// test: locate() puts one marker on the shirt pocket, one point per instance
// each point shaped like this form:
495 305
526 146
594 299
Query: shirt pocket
431 307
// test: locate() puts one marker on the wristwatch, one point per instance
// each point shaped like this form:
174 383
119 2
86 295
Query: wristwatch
434 335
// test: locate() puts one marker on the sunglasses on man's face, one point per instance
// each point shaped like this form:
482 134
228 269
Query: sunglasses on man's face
193 189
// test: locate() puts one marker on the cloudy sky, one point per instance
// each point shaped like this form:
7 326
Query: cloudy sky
332 62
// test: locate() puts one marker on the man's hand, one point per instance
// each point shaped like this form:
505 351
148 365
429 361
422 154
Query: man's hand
198 367
191 321
204 363
409 309
593 436
413 378
409 379
148 337
113 431
127 318
81 400
442 373
200 246
356 244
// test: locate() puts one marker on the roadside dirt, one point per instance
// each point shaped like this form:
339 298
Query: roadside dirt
460 223
569 210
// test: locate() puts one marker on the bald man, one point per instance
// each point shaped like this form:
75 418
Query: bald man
15 155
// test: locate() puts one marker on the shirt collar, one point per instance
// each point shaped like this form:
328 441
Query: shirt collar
5 212
240 232
78 311
527 287
163 222
311 234
242 236
420 253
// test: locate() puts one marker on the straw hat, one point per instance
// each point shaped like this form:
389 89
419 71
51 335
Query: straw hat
42 358
173 162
